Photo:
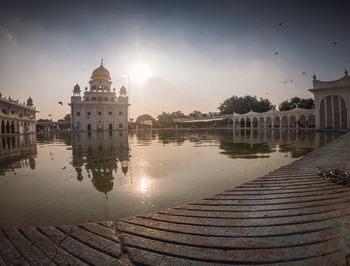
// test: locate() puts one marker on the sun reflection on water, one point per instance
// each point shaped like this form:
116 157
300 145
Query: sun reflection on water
145 184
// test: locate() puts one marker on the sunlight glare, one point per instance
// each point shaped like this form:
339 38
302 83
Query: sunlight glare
144 184
141 72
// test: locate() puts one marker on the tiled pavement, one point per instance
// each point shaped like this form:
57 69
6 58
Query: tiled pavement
290 216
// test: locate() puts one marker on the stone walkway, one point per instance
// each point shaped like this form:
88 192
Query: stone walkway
290 216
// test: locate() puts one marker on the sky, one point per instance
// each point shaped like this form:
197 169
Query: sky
196 53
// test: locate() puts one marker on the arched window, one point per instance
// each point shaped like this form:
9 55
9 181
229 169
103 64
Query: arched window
87 99
105 99
100 99
94 88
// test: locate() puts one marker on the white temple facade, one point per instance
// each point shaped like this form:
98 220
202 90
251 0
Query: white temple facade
332 102
100 108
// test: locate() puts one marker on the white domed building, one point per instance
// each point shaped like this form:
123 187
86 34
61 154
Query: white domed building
101 108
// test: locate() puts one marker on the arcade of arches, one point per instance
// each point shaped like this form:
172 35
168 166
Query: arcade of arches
17 118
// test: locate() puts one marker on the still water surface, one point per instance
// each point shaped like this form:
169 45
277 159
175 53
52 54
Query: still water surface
77 178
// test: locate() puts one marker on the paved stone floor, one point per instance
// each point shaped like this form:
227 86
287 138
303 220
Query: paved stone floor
290 216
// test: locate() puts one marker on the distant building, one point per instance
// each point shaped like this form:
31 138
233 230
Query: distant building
332 103
17 118
100 108
147 122
332 112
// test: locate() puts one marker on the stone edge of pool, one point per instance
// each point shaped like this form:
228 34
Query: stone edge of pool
289 216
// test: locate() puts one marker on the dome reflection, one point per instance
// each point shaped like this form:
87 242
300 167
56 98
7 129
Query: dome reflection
100 154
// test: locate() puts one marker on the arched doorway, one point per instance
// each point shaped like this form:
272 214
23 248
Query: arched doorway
292 121
311 121
261 122
247 122
230 123
255 122
284 121
302 121
242 122
13 130
268 122
236 122
276 121
8 129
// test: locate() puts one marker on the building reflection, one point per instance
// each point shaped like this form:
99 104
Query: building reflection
100 154
17 152
245 143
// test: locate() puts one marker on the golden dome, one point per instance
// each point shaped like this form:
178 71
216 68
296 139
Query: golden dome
101 73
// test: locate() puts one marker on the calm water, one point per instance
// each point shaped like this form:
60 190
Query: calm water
65 179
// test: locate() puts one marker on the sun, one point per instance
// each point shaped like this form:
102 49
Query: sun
141 72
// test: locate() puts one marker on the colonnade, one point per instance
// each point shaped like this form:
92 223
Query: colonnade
279 121
16 126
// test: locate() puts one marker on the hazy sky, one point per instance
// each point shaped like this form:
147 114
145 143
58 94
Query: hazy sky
199 52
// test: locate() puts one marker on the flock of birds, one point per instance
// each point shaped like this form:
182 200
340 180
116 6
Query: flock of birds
303 73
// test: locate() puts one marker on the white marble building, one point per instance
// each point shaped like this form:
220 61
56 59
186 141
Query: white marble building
332 102
100 108
17 118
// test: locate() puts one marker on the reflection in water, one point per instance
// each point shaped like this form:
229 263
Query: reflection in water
17 152
99 154
245 143
246 150
142 172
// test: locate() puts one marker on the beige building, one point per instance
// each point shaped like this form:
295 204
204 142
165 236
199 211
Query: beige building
100 108
17 118
332 102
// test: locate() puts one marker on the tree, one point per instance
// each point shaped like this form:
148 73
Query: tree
67 117
242 105
165 119
296 102
195 114
178 114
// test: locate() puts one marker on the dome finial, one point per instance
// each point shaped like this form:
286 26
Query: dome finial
314 76
101 61
346 72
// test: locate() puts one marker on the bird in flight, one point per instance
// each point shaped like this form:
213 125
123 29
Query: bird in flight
60 103
285 82
291 80
280 24
335 43
304 73
276 53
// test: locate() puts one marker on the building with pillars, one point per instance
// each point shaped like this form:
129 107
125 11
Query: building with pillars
332 112
332 102
17 118
100 108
